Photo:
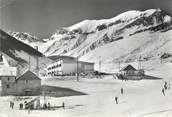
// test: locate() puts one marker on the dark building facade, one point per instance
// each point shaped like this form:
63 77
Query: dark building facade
26 84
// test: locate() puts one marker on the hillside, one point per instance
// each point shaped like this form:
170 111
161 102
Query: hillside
27 38
125 38
20 54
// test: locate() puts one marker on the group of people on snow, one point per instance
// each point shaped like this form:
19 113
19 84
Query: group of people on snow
30 106
21 105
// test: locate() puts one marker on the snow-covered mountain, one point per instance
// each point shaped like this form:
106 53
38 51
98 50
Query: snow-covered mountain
27 38
123 38
126 37
18 54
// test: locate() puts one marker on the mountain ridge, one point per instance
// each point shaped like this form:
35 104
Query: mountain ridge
19 54
124 38
88 35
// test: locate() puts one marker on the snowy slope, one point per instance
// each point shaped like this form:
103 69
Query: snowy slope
27 38
122 38
20 55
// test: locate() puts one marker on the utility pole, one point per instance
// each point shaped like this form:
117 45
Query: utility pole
77 74
99 63
119 65
37 63
44 97
1 59
29 63
139 63
1 37
18 70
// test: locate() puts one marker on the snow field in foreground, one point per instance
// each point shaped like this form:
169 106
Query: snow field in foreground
140 99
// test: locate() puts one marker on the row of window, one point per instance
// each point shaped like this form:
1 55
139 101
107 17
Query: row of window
54 72
54 66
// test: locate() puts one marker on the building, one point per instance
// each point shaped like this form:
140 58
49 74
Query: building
129 72
65 65
11 84
26 84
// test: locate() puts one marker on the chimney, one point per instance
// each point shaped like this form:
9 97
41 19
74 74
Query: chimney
37 62
18 70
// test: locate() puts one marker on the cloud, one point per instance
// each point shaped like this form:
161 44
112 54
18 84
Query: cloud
5 3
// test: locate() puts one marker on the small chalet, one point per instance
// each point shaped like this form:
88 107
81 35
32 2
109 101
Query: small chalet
29 84
129 72
26 84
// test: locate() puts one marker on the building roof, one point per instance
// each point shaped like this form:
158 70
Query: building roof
85 62
61 57
128 67
28 75
7 76
72 59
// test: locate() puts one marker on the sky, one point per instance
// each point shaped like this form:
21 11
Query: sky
43 17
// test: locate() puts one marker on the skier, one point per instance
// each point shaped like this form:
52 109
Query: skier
165 86
163 91
116 100
45 106
63 105
25 104
49 105
122 90
12 105
20 106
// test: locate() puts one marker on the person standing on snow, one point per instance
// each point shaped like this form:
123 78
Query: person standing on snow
12 105
63 105
49 106
163 91
165 86
116 100
122 90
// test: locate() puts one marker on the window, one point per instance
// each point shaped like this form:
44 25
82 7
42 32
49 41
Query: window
8 78
26 81
8 86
